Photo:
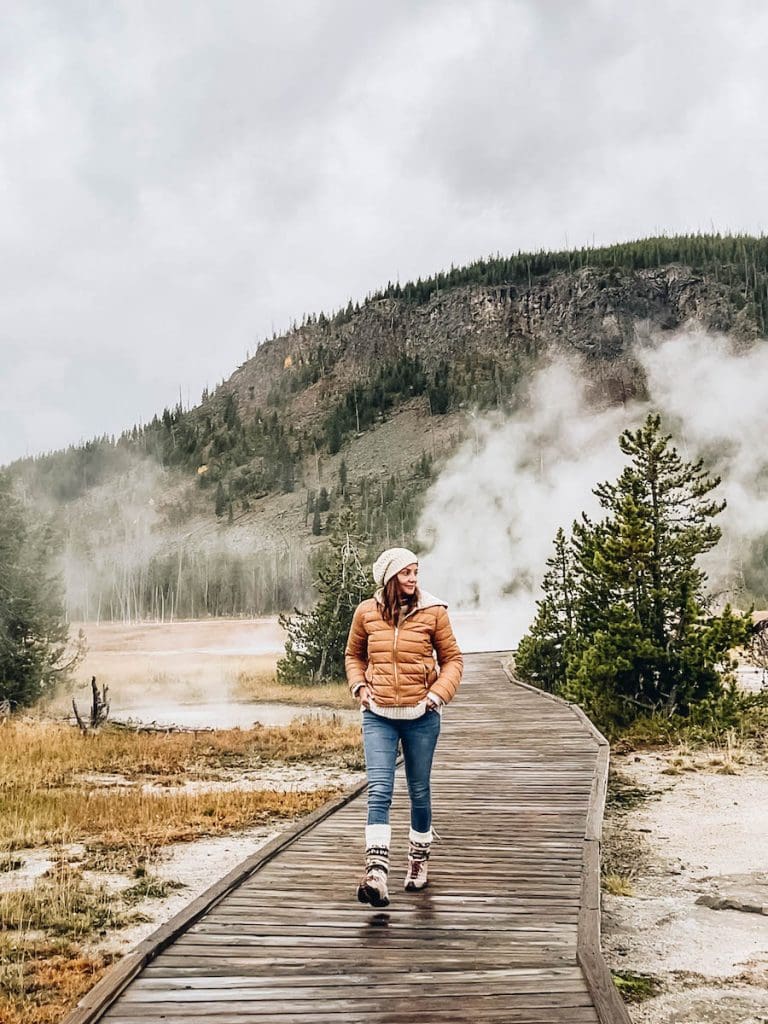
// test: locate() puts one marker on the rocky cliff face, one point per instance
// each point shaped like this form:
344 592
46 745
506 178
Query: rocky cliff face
595 313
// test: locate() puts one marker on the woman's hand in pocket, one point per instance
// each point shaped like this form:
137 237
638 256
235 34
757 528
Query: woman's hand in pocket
364 697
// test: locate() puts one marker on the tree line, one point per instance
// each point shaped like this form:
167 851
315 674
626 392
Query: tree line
188 582
741 261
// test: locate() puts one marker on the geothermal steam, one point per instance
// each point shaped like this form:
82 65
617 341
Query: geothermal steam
491 517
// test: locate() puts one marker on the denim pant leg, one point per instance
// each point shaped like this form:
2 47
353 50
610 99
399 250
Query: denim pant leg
380 736
419 741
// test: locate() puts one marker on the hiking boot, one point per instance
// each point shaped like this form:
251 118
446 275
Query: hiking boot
418 857
373 885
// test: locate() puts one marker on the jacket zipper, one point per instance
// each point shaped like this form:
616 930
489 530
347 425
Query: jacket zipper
394 655
394 662
394 651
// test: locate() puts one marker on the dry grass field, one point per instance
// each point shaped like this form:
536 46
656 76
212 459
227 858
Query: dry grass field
99 810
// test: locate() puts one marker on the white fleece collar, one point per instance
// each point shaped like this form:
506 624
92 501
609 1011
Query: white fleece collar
426 600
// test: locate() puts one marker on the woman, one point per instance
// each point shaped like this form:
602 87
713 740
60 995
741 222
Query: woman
391 669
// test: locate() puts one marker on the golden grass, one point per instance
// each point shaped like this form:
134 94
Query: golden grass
50 793
41 980
727 757
617 885
40 755
262 686
133 818
54 789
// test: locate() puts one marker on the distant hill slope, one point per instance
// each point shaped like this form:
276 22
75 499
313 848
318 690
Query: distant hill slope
213 510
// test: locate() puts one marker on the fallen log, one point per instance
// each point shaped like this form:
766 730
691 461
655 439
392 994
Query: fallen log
129 725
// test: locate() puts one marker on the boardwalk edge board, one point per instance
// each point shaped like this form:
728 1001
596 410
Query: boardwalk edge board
589 955
106 991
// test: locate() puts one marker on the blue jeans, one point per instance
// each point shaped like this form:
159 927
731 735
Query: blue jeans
419 739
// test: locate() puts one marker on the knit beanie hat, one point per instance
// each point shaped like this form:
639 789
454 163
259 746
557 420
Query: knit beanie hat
390 562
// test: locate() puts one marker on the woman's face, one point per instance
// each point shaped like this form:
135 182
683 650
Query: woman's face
408 578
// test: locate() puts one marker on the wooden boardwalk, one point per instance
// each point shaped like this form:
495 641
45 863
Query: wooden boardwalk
508 929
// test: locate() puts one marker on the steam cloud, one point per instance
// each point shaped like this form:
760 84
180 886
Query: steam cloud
492 515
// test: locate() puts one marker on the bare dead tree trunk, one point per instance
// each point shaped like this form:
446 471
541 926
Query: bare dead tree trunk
99 709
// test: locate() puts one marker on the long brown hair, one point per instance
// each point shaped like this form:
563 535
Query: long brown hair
391 599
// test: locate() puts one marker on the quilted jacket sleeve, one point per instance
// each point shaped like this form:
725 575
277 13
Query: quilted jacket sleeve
356 651
448 656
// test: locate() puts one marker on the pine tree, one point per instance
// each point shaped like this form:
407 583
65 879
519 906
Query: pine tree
35 653
439 391
642 638
424 466
221 500
314 650
542 654
334 431
288 480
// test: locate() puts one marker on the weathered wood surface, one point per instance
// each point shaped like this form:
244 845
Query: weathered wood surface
508 929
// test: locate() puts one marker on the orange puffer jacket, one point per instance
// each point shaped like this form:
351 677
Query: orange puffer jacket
398 664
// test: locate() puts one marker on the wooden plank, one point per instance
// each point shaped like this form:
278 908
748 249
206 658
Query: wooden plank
355 1002
457 1013
520 979
449 957
247 988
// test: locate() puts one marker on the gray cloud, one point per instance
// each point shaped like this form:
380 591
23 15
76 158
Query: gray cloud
178 179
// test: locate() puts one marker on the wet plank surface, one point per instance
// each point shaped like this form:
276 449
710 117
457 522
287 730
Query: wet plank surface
494 937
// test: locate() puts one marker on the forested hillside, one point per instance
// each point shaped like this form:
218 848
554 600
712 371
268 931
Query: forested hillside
214 509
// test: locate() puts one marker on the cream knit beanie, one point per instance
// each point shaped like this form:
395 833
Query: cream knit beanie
390 562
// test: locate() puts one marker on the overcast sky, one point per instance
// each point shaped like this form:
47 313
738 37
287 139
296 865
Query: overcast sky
179 178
